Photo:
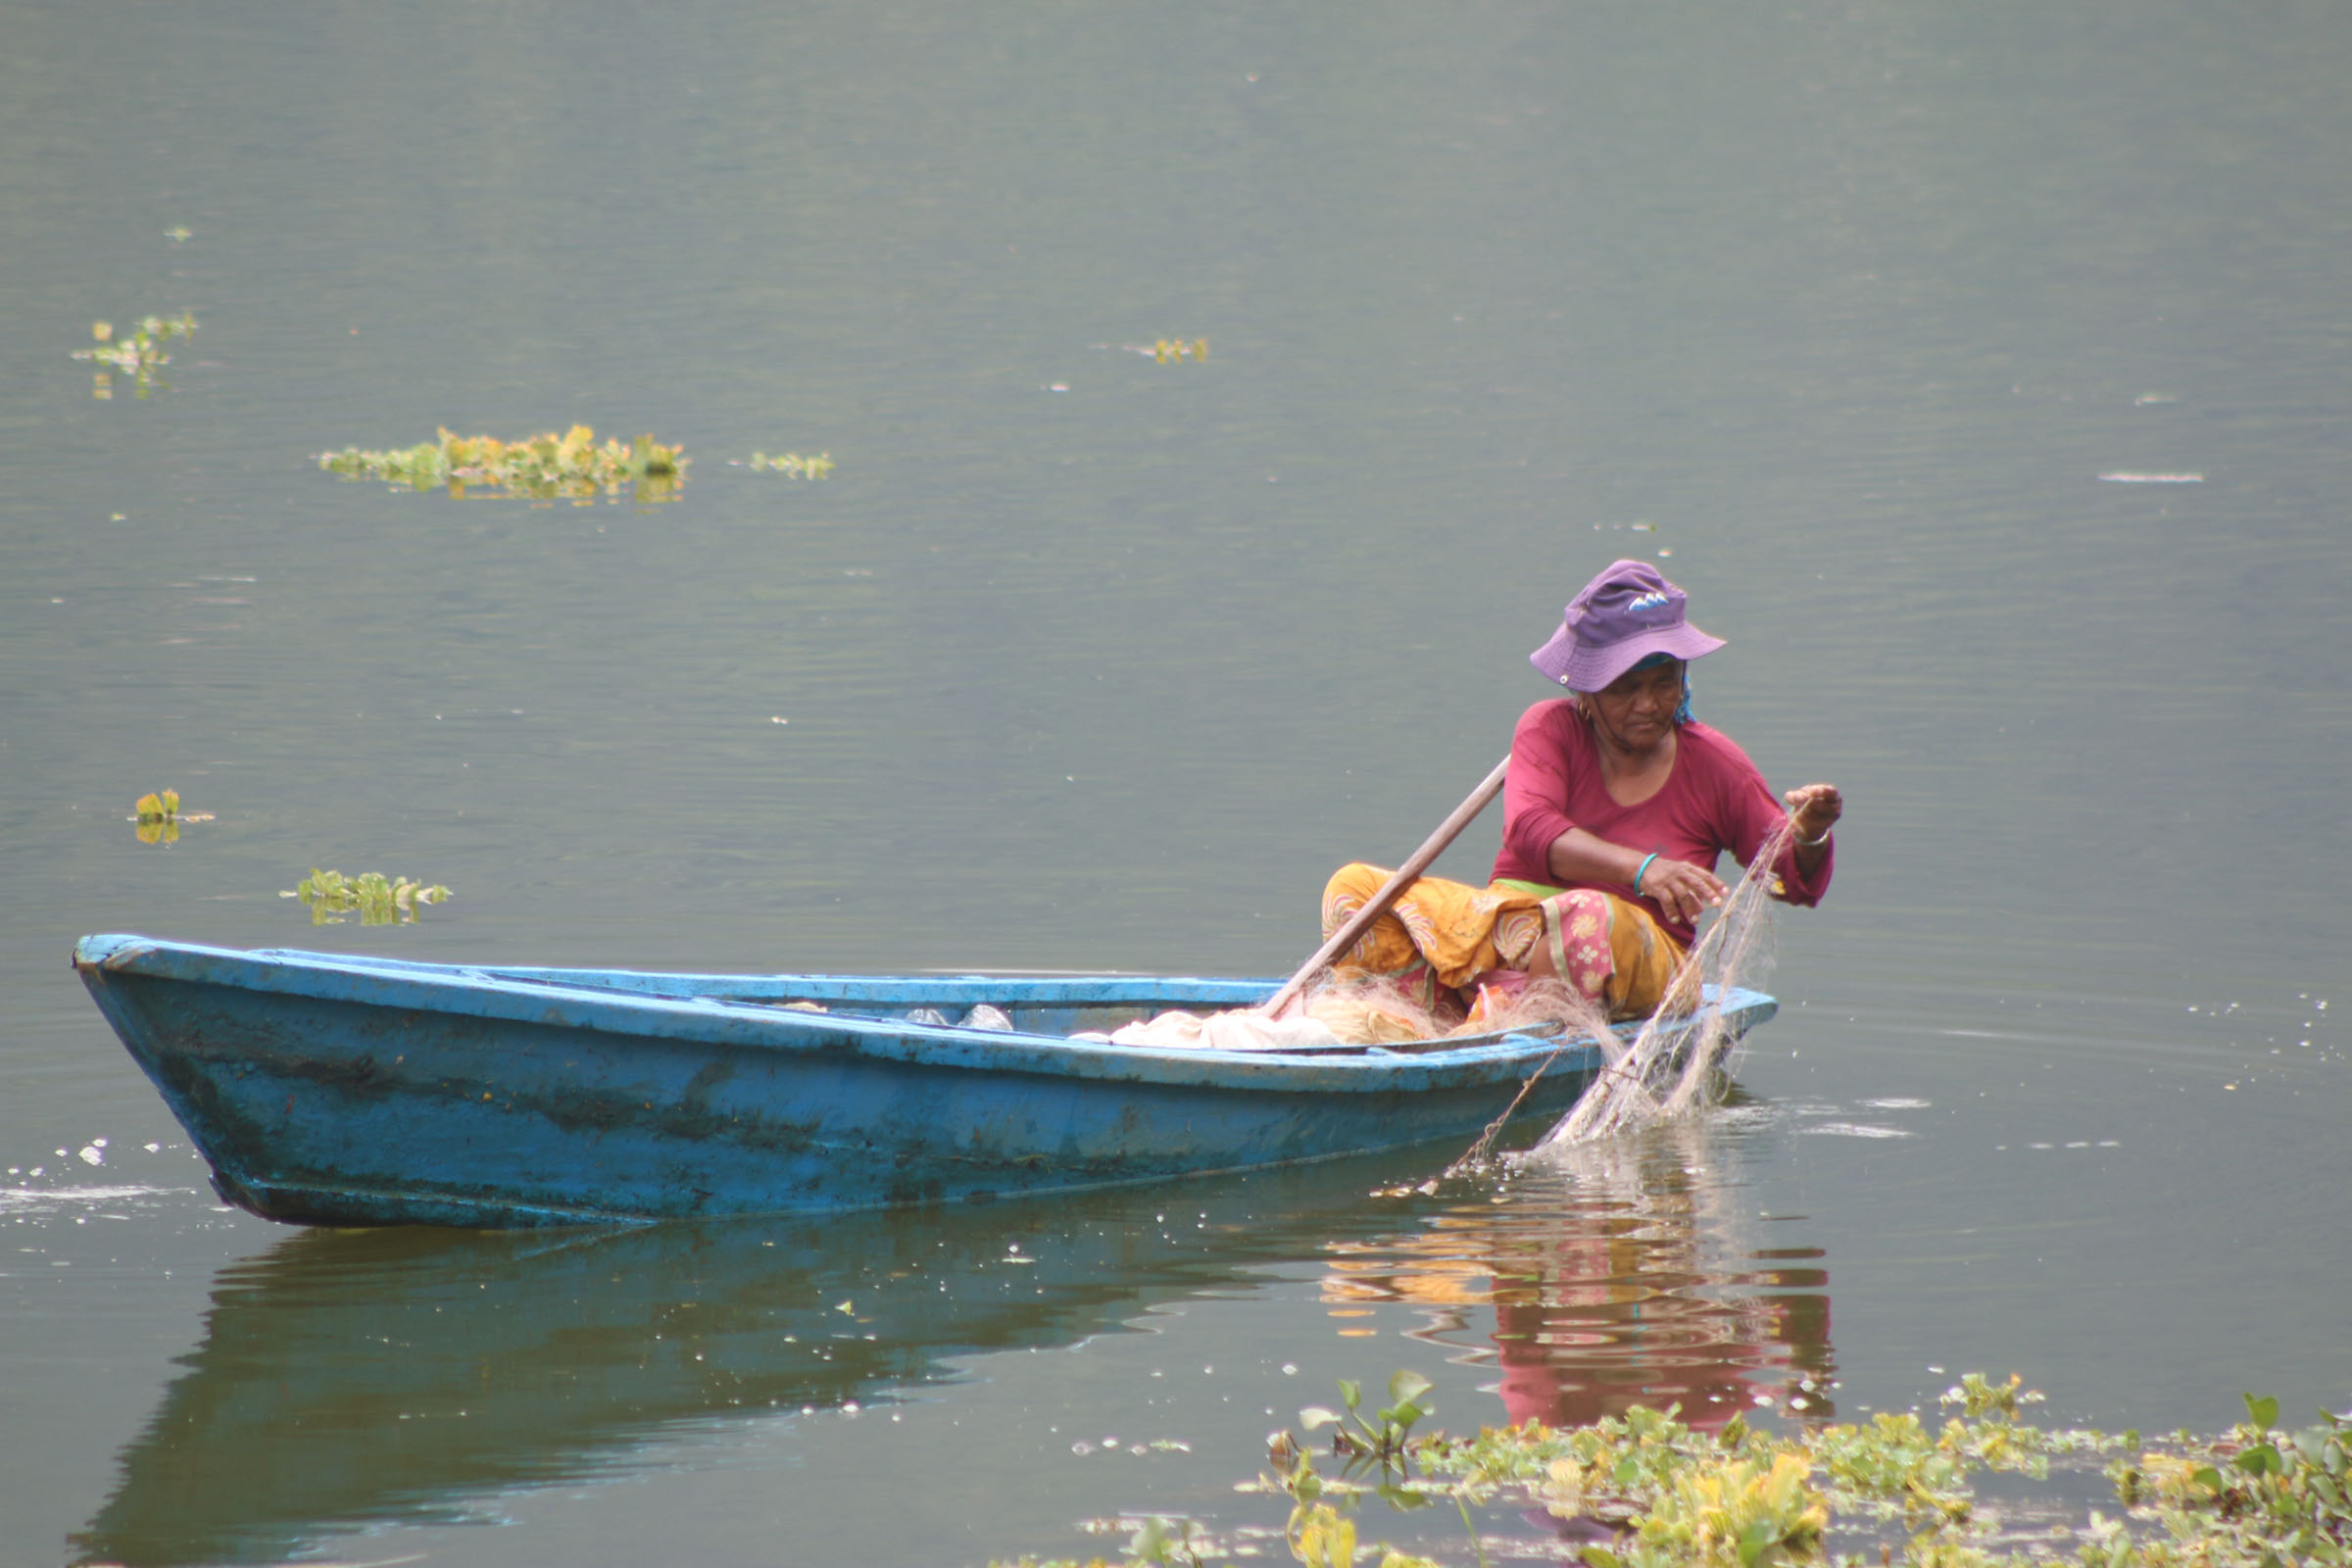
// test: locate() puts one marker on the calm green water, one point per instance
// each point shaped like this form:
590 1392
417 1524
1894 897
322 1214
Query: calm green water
1838 312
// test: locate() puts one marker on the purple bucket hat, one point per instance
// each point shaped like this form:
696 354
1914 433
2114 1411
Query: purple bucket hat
1615 622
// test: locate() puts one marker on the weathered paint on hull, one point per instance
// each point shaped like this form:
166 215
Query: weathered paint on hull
352 1091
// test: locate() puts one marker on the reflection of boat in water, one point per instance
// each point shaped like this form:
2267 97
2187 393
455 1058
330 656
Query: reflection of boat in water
1620 1273
353 1377
350 1380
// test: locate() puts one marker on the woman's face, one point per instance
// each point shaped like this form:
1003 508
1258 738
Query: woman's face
1637 710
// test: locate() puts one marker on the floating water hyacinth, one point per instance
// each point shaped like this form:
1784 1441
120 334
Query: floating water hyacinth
139 354
377 898
793 465
1166 350
158 817
1647 1490
547 466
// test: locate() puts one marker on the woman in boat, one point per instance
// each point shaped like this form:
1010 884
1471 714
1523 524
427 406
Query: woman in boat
1618 805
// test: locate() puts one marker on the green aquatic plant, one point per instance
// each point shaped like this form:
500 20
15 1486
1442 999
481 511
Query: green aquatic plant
793 465
1842 1495
1166 1543
1738 1511
377 898
1978 1398
547 466
2255 1495
1379 1439
1321 1533
158 817
1167 350
139 354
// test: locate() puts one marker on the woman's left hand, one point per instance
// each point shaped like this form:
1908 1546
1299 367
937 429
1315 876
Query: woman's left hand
1816 809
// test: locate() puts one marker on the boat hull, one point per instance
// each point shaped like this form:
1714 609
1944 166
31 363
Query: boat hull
333 1090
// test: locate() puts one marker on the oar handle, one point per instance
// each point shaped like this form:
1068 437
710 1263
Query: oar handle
1361 921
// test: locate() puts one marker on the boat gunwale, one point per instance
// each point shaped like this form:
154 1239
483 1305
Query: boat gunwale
487 993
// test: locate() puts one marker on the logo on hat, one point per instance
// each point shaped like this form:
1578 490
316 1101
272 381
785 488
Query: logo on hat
1620 617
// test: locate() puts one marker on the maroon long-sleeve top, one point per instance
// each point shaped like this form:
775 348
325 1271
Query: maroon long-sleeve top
1713 800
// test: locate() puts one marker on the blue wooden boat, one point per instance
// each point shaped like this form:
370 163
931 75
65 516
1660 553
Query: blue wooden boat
329 1089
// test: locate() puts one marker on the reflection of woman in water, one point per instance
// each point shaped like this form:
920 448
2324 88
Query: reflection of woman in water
1617 1278
1578 1339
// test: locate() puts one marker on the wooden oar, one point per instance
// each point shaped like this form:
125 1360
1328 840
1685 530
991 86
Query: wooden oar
1345 936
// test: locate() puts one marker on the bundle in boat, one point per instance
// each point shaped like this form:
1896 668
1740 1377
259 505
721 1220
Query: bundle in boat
1367 1011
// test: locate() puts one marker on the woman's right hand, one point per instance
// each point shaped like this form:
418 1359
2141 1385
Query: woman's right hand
1682 890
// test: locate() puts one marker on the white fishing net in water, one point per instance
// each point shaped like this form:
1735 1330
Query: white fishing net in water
1682 1056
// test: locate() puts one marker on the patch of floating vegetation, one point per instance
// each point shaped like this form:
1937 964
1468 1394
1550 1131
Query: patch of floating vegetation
1166 350
571 467
793 465
158 817
377 898
1646 1490
139 354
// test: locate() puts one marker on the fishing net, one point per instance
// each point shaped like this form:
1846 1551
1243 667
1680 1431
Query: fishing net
1367 1010
1357 1011
1682 1056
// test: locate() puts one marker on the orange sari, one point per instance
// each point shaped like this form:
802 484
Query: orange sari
1448 937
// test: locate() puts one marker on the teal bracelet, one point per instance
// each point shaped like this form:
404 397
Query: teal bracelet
1639 870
